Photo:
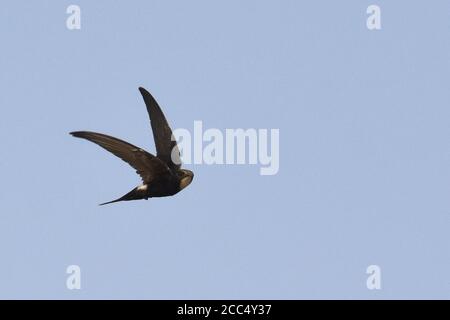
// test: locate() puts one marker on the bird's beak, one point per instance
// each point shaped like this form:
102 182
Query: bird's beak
185 181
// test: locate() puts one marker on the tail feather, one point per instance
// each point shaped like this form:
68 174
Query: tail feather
134 194
117 200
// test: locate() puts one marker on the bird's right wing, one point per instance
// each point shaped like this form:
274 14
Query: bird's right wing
166 146
147 165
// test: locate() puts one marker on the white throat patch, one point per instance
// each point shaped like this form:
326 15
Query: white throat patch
144 187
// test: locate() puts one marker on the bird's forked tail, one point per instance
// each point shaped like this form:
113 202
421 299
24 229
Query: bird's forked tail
134 194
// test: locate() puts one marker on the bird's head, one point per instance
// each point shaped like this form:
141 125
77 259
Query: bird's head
186 177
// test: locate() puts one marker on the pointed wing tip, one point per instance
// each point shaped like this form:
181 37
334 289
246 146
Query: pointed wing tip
78 134
143 90
148 98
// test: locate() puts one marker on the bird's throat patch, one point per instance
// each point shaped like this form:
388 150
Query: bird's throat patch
144 188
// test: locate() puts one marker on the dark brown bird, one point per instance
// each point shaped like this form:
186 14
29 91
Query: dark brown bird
161 174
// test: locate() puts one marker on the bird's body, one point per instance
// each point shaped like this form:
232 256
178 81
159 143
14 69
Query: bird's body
161 174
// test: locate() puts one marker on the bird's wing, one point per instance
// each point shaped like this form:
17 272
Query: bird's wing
166 146
147 165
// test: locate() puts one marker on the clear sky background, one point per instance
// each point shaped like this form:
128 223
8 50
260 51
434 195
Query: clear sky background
364 121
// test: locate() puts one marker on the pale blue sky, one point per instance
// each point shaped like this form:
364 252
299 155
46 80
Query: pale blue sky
364 121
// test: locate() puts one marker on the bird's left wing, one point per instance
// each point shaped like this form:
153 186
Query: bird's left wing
147 165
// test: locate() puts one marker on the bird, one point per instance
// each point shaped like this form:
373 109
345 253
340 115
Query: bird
161 175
